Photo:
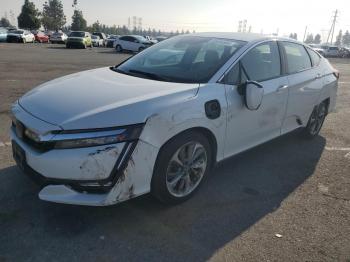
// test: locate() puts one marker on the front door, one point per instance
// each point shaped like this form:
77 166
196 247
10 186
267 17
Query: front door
246 128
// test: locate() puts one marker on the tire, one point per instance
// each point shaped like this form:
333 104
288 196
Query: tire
118 48
316 121
174 187
24 40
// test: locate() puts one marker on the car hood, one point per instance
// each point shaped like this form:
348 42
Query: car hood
102 98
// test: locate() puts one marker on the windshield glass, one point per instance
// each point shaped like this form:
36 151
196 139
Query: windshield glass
184 59
95 37
77 34
17 32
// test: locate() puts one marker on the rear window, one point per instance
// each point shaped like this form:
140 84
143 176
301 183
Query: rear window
297 57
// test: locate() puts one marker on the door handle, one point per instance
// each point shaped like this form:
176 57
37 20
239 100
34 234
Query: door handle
281 88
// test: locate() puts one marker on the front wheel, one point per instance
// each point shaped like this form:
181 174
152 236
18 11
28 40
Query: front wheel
316 120
119 49
181 166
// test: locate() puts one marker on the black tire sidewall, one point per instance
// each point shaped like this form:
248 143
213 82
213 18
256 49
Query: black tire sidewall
306 131
158 184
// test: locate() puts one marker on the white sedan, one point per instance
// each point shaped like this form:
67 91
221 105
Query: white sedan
159 121
96 41
133 43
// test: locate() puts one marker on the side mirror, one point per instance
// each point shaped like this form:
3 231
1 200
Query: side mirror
253 94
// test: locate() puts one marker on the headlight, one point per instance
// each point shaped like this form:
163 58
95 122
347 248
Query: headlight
88 138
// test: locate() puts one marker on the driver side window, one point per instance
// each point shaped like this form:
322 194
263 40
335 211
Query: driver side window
259 64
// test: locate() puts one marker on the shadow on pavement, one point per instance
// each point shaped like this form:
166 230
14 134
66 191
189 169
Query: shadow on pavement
240 192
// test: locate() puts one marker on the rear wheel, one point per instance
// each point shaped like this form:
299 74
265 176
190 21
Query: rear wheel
181 166
316 120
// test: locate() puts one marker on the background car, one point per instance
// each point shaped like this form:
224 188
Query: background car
3 34
110 40
134 43
96 40
161 38
41 37
20 36
58 38
344 52
151 39
329 51
79 39
102 36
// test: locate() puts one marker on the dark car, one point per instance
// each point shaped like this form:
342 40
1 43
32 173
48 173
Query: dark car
111 39
102 36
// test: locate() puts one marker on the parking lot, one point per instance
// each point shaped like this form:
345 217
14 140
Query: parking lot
286 200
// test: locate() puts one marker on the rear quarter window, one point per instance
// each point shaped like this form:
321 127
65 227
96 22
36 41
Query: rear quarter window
297 57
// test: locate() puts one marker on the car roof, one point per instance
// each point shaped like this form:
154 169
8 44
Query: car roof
247 37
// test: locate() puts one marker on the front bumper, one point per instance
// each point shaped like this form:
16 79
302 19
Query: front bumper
14 39
75 43
99 175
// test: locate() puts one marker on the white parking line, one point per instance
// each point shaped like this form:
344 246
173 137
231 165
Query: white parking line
3 144
337 148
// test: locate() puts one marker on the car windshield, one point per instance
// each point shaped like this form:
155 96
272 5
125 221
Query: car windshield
17 32
184 59
77 34
95 37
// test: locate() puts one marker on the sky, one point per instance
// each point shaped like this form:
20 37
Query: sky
264 16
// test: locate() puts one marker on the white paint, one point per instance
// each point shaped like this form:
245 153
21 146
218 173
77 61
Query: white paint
2 144
7 143
337 148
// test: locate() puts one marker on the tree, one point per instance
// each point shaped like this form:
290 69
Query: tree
29 16
309 39
293 36
4 22
96 27
339 38
53 17
346 38
317 39
78 21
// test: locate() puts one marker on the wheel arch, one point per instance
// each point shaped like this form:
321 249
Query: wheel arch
202 130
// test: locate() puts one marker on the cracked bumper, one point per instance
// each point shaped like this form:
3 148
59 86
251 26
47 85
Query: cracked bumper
96 176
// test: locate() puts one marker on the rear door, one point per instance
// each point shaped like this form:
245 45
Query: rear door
246 128
305 83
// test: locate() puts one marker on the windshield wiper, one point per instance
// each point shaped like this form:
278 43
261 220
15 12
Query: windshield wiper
149 75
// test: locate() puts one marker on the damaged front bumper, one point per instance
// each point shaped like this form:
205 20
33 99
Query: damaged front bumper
91 175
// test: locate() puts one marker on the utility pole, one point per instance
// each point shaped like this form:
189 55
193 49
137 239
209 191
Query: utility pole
305 34
331 31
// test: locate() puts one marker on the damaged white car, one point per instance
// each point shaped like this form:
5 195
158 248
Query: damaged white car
159 121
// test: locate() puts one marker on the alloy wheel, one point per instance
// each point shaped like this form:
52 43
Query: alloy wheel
186 169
